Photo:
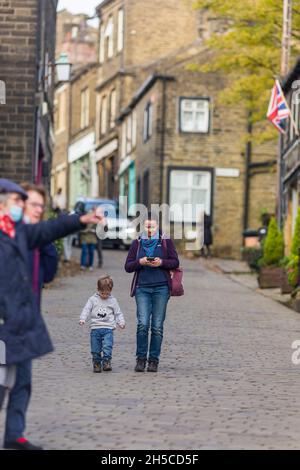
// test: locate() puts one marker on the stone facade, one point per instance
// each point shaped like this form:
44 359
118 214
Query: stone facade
217 155
27 38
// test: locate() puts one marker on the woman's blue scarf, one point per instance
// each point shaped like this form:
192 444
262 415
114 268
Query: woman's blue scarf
149 244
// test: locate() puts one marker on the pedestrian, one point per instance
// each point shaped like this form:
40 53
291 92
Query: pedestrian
43 265
88 239
104 313
208 238
22 329
151 257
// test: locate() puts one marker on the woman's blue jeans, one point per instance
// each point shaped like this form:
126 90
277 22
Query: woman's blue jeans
87 251
151 305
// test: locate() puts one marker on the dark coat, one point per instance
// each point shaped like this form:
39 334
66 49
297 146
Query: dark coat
22 327
208 238
169 261
47 269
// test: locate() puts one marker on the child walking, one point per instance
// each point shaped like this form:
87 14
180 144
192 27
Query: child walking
104 313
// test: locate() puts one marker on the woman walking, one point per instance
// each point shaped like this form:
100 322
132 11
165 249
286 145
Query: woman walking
151 257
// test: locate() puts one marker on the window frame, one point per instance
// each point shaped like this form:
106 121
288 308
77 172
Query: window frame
120 30
102 115
192 169
148 122
194 98
84 108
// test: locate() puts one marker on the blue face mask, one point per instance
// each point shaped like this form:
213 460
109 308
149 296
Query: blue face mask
16 213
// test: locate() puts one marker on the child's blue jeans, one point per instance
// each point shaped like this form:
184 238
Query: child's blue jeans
102 340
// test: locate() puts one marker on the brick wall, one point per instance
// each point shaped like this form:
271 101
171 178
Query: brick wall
18 20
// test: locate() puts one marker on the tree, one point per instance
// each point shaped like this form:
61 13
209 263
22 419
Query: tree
248 51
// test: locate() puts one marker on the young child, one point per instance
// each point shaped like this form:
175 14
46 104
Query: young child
104 313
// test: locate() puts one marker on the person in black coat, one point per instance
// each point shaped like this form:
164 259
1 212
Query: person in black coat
208 238
22 329
43 264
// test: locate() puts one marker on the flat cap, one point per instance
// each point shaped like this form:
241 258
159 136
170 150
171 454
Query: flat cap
7 186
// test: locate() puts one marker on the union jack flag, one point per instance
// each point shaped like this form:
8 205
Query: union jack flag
278 110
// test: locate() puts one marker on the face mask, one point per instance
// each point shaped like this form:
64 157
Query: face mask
16 213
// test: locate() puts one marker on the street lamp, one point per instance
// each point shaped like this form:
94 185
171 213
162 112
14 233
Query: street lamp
63 68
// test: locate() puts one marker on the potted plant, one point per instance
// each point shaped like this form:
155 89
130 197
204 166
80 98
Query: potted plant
270 272
292 264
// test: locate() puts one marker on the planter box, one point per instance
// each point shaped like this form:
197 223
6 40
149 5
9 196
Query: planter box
286 288
269 278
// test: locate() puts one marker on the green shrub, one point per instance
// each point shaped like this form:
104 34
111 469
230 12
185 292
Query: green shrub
273 247
296 237
293 270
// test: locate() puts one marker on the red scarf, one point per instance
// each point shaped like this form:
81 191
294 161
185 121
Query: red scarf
7 225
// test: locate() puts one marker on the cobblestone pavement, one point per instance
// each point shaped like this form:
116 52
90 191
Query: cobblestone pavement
225 381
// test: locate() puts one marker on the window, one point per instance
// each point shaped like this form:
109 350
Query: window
74 32
112 108
102 44
123 140
85 108
129 134
120 44
134 129
148 117
187 189
103 118
109 34
294 122
194 115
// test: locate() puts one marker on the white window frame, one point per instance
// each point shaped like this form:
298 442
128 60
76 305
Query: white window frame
102 44
103 115
109 34
187 187
134 129
85 108
184 109
112 108
124 137
128 134
120 43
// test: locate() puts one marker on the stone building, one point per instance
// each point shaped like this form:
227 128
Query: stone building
76 37
290 159
27 53
72 168
184 147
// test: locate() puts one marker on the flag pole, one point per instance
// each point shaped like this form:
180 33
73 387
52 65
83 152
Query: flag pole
284 99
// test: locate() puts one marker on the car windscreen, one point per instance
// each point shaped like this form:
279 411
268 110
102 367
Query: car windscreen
109 210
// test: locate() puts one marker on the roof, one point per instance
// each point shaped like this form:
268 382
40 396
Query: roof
147 85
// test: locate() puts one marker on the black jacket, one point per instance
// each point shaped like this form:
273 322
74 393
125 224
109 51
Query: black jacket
22 328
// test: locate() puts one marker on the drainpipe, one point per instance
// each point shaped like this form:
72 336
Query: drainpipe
247 172
162 143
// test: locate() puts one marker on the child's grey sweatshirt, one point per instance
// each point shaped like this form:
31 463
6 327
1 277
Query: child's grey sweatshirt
102 313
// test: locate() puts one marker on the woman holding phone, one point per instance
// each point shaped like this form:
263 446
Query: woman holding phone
151 257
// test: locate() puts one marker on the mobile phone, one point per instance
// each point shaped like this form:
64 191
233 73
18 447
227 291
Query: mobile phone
150 258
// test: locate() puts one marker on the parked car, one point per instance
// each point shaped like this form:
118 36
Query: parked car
120 232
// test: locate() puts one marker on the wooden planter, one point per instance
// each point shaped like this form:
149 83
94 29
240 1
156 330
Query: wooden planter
286 288
269 277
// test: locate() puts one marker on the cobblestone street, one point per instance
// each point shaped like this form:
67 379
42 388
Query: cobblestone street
225 381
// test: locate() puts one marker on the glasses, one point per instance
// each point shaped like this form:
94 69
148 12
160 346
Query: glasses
36 205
